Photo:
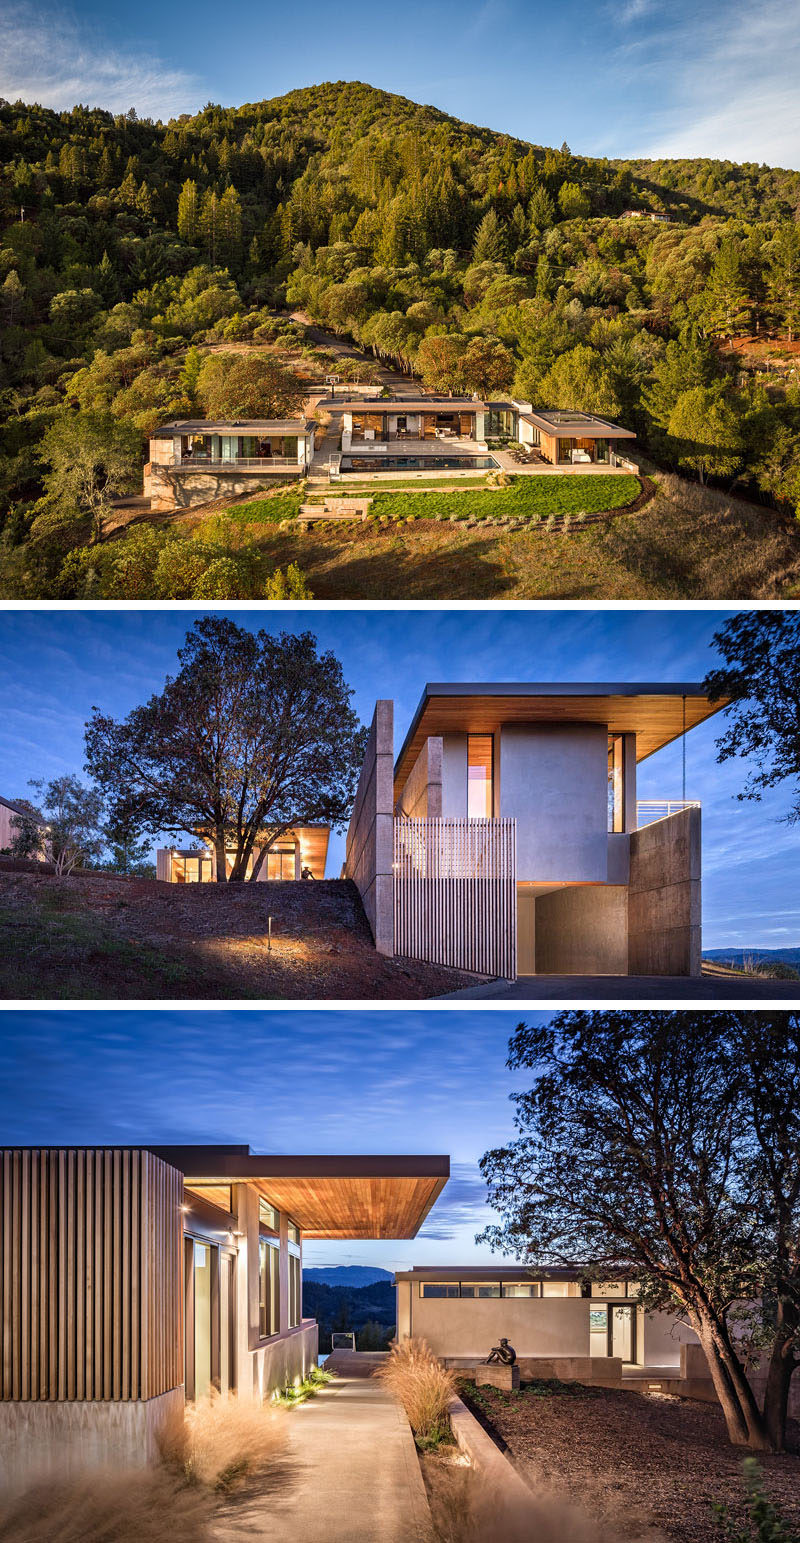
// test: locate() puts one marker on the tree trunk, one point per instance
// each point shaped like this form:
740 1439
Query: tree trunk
219 852
776 1399
745 1426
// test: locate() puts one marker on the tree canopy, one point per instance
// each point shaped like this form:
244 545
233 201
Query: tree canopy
253 736
667 1145
760 677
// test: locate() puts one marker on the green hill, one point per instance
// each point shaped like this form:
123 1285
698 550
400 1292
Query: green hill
478 261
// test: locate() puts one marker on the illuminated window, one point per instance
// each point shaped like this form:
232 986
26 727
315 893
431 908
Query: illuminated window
268 1216
295 1290
479 776
280 863
480 1288
269 1319
521 1288
294 1232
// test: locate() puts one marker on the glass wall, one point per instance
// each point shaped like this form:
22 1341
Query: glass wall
479 776
203 1293
295 1286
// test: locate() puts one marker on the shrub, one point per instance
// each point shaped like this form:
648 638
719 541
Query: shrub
142 1507
424 1387
765 1524
214 1442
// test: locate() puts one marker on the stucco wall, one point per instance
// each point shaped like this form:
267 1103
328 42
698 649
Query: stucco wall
370 834
664 916
554 782
469 1326
582 931
421 797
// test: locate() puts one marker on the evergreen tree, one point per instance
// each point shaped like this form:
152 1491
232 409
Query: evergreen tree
489 245
188 213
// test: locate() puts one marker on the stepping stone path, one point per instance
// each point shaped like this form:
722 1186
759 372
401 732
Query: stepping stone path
335 509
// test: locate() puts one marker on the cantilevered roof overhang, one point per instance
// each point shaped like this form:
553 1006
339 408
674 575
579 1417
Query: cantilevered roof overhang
656 713
328 1197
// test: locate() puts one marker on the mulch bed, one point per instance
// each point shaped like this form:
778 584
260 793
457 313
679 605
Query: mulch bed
635 1461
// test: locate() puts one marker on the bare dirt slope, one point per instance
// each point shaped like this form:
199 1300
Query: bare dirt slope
632 1460
99 935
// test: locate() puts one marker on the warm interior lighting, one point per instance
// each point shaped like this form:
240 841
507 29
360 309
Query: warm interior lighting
479 776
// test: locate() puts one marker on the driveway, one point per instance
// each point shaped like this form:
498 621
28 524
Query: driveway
601 988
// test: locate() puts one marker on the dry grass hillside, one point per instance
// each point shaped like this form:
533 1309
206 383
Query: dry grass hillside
98 935
688 542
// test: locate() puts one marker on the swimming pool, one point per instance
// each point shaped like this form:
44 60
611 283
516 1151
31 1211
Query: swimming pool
363 463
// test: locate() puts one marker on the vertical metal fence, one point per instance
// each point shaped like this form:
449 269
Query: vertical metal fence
455 900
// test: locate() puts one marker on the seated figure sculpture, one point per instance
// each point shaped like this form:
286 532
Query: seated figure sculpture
502 1354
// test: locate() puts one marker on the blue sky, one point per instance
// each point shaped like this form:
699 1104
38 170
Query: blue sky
63 663
620 78
316 1082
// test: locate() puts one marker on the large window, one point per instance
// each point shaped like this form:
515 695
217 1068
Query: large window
268 1216
295 1287
269 1311
479 776
280 863
472 1289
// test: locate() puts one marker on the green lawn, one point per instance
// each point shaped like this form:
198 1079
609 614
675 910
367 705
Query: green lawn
266 511
526 498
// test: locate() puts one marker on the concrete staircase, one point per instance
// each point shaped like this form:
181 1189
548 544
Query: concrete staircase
333 508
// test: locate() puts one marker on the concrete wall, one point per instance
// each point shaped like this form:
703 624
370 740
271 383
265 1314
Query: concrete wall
421 797
454 776
469 1326
554 782
370 834
664 916
50 1441
663 1340
582 931
168 488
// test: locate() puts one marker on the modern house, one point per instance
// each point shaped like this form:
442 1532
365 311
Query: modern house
133 1279
441 433
593 1329
573 438
10 814
506 836
193 461
298 853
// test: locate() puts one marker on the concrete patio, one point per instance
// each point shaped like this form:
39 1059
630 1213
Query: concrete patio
352 1472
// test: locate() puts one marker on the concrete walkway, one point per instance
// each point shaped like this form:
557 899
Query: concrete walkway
352 1474
600 988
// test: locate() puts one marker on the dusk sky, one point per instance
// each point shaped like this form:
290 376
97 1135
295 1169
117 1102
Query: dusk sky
63 663
623 78
298 1082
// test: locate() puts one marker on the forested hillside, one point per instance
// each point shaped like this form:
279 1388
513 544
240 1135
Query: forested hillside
478 261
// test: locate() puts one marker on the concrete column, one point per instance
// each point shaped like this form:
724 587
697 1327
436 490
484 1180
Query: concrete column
370 834
629 818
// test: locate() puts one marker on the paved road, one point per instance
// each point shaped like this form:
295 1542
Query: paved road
353 1475
600 988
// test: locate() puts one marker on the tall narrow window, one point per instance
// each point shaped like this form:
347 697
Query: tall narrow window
479 776
295 1288
616 784
268 1288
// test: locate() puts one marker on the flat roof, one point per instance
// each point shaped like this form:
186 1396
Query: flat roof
474 1272
563 424
244 425
328 1197
654 712
428 404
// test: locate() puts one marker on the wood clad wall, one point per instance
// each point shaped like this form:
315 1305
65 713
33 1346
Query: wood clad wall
455 893
90 1274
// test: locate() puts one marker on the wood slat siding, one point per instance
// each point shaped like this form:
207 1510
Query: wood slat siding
90 1275
455 893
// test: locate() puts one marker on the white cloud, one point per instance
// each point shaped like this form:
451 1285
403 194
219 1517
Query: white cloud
46 57
733 83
